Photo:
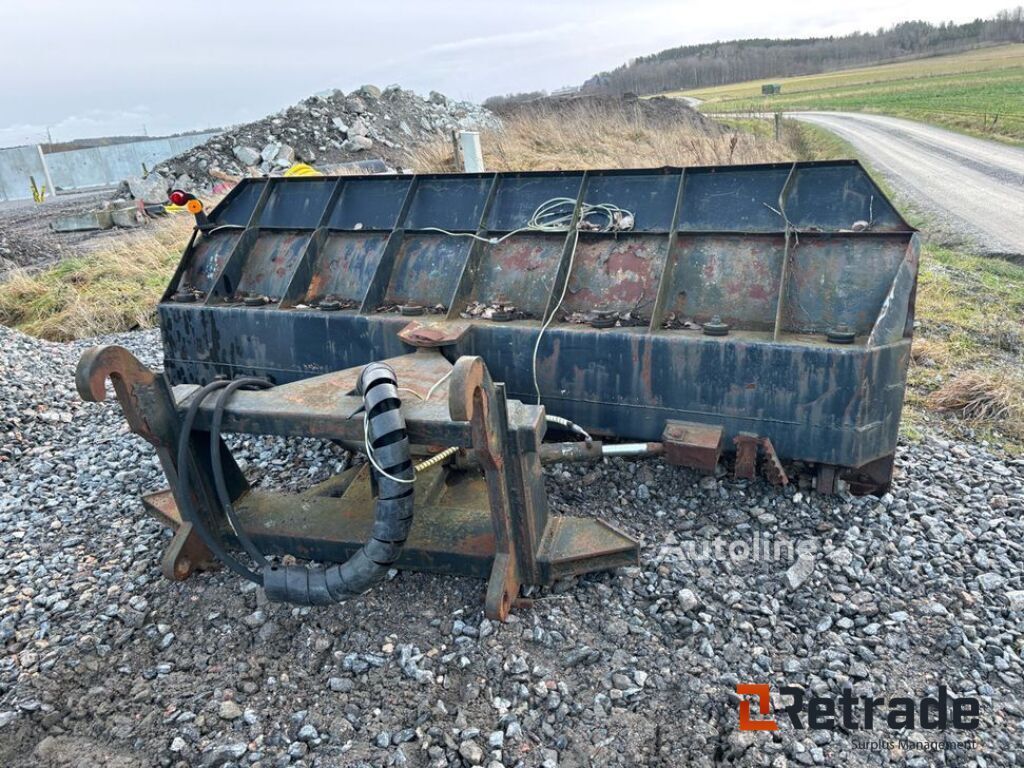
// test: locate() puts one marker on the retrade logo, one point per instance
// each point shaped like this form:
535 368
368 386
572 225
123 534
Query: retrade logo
764 706
852 713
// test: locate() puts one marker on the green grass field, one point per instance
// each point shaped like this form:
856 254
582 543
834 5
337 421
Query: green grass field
980 92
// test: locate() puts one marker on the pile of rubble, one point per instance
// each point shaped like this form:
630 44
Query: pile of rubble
325 130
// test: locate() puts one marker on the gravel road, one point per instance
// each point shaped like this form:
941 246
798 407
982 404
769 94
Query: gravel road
967 184
106 664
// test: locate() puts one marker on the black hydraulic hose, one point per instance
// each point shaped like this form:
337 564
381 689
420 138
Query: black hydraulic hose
188 511
389 443
393 471
217 468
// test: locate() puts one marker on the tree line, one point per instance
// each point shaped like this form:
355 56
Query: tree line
720 63
733 61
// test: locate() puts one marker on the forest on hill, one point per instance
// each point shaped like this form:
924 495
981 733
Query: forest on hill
701 66
732 61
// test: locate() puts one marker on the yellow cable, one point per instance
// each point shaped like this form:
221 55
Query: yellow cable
302 169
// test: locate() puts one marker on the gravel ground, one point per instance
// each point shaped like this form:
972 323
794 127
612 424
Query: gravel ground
107 664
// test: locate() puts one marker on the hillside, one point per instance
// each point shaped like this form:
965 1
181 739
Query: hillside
723 62
979 92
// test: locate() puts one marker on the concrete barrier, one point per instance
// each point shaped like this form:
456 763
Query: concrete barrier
16 165
89 168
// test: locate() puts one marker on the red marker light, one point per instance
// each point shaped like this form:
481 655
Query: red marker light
179 197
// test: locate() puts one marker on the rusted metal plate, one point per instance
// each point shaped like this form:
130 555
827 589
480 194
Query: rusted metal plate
819 402
297 206
519 271
689 444
724 199
345 266
207 260
732 276
773 468
834 196
428 334
442 539
452 202
518 195
822 196
238 205
616 275
186 554
161 506
427 269
874 477
825 479
269 265
574 545
649 195
746 455
331 398
423 373
839 280
369 203
452 532
896 317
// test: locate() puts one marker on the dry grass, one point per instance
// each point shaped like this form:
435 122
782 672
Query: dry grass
113 287
968 351
930 353
984 397
593 137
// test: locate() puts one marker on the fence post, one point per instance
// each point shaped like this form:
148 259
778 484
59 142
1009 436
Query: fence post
472 155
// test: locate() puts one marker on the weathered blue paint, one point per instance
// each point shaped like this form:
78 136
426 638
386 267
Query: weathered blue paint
707 242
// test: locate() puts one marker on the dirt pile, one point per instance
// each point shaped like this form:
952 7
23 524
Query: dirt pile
26 239
17 251
325 130
655 112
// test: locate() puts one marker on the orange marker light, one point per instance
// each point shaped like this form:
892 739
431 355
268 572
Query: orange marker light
194 206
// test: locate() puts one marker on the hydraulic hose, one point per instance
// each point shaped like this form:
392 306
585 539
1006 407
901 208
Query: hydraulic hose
188 511
389 443
217 468
313 585
569 425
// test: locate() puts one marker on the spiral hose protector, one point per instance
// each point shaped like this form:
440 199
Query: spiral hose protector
306 585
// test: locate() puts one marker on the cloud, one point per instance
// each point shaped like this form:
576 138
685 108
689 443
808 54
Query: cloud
135 122
79 67
488 43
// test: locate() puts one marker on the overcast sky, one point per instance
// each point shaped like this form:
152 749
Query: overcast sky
95 69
